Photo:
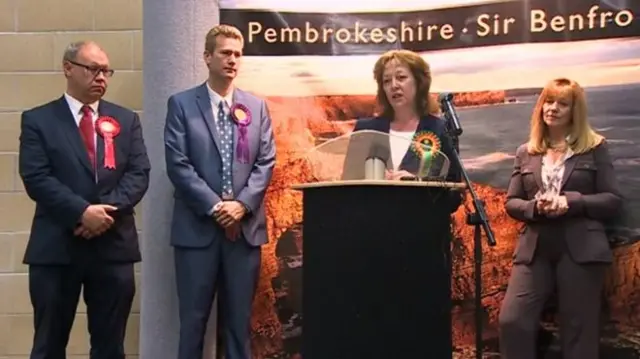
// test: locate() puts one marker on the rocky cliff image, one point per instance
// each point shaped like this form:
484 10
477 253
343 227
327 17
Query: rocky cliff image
495 123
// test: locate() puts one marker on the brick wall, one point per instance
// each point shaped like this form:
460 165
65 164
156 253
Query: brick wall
33 35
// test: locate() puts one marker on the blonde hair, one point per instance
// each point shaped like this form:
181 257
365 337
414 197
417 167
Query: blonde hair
420 70
582 138
228 31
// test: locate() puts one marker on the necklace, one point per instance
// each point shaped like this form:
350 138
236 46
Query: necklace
560 146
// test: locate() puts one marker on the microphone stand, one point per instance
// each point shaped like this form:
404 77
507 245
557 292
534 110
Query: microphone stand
478 219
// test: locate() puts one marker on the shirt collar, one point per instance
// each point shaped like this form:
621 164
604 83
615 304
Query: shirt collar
216 98
568 154
76 106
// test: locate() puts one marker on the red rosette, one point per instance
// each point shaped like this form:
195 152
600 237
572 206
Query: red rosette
108 128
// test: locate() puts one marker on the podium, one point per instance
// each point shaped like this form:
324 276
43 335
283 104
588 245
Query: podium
376 252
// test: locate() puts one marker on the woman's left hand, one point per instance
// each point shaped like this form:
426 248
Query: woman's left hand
558 207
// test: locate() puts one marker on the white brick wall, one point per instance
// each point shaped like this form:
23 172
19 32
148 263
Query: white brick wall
33 35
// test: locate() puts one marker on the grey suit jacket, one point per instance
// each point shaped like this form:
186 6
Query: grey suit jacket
194 167
592 192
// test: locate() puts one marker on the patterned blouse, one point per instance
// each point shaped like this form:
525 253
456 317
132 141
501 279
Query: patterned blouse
552 173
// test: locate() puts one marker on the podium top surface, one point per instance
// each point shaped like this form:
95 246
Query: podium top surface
389 183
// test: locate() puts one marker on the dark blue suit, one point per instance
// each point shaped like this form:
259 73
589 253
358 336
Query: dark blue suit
55 168
411 161
205 260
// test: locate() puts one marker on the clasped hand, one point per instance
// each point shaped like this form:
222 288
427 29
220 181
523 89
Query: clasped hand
228 214
95 221
552 205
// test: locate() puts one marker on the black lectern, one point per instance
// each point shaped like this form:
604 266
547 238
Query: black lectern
377 270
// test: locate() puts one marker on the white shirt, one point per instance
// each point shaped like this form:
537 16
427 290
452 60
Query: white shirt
76 109
215 99
399 142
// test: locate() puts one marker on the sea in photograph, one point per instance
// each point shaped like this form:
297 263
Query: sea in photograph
493 133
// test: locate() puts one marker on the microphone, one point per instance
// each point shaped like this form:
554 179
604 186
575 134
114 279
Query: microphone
376 163
446 104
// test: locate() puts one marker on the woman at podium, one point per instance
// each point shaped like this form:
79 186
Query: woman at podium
404 79
562 187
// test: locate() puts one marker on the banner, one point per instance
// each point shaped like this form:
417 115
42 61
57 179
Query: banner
313 62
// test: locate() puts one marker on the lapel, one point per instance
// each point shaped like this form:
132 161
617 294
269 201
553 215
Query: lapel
410 156
536 166
204 104
382 125
238 98
569 165
72 133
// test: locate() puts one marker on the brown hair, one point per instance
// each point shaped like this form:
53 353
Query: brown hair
420 70
221 30
582 137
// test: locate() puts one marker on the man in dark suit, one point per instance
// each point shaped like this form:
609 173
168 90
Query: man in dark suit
220 155
84 162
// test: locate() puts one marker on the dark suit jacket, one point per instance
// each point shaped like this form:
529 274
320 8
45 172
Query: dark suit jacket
593 196
411 161
194 166
57 175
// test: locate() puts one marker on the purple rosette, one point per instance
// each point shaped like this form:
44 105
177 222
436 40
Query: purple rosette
242 117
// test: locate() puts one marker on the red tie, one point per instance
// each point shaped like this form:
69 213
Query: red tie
87 131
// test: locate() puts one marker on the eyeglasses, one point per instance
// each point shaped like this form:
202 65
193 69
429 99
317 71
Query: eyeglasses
94 70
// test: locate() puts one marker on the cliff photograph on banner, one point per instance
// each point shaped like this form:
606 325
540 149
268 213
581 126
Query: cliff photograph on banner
313 62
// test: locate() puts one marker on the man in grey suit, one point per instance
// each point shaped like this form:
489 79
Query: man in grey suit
220 154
